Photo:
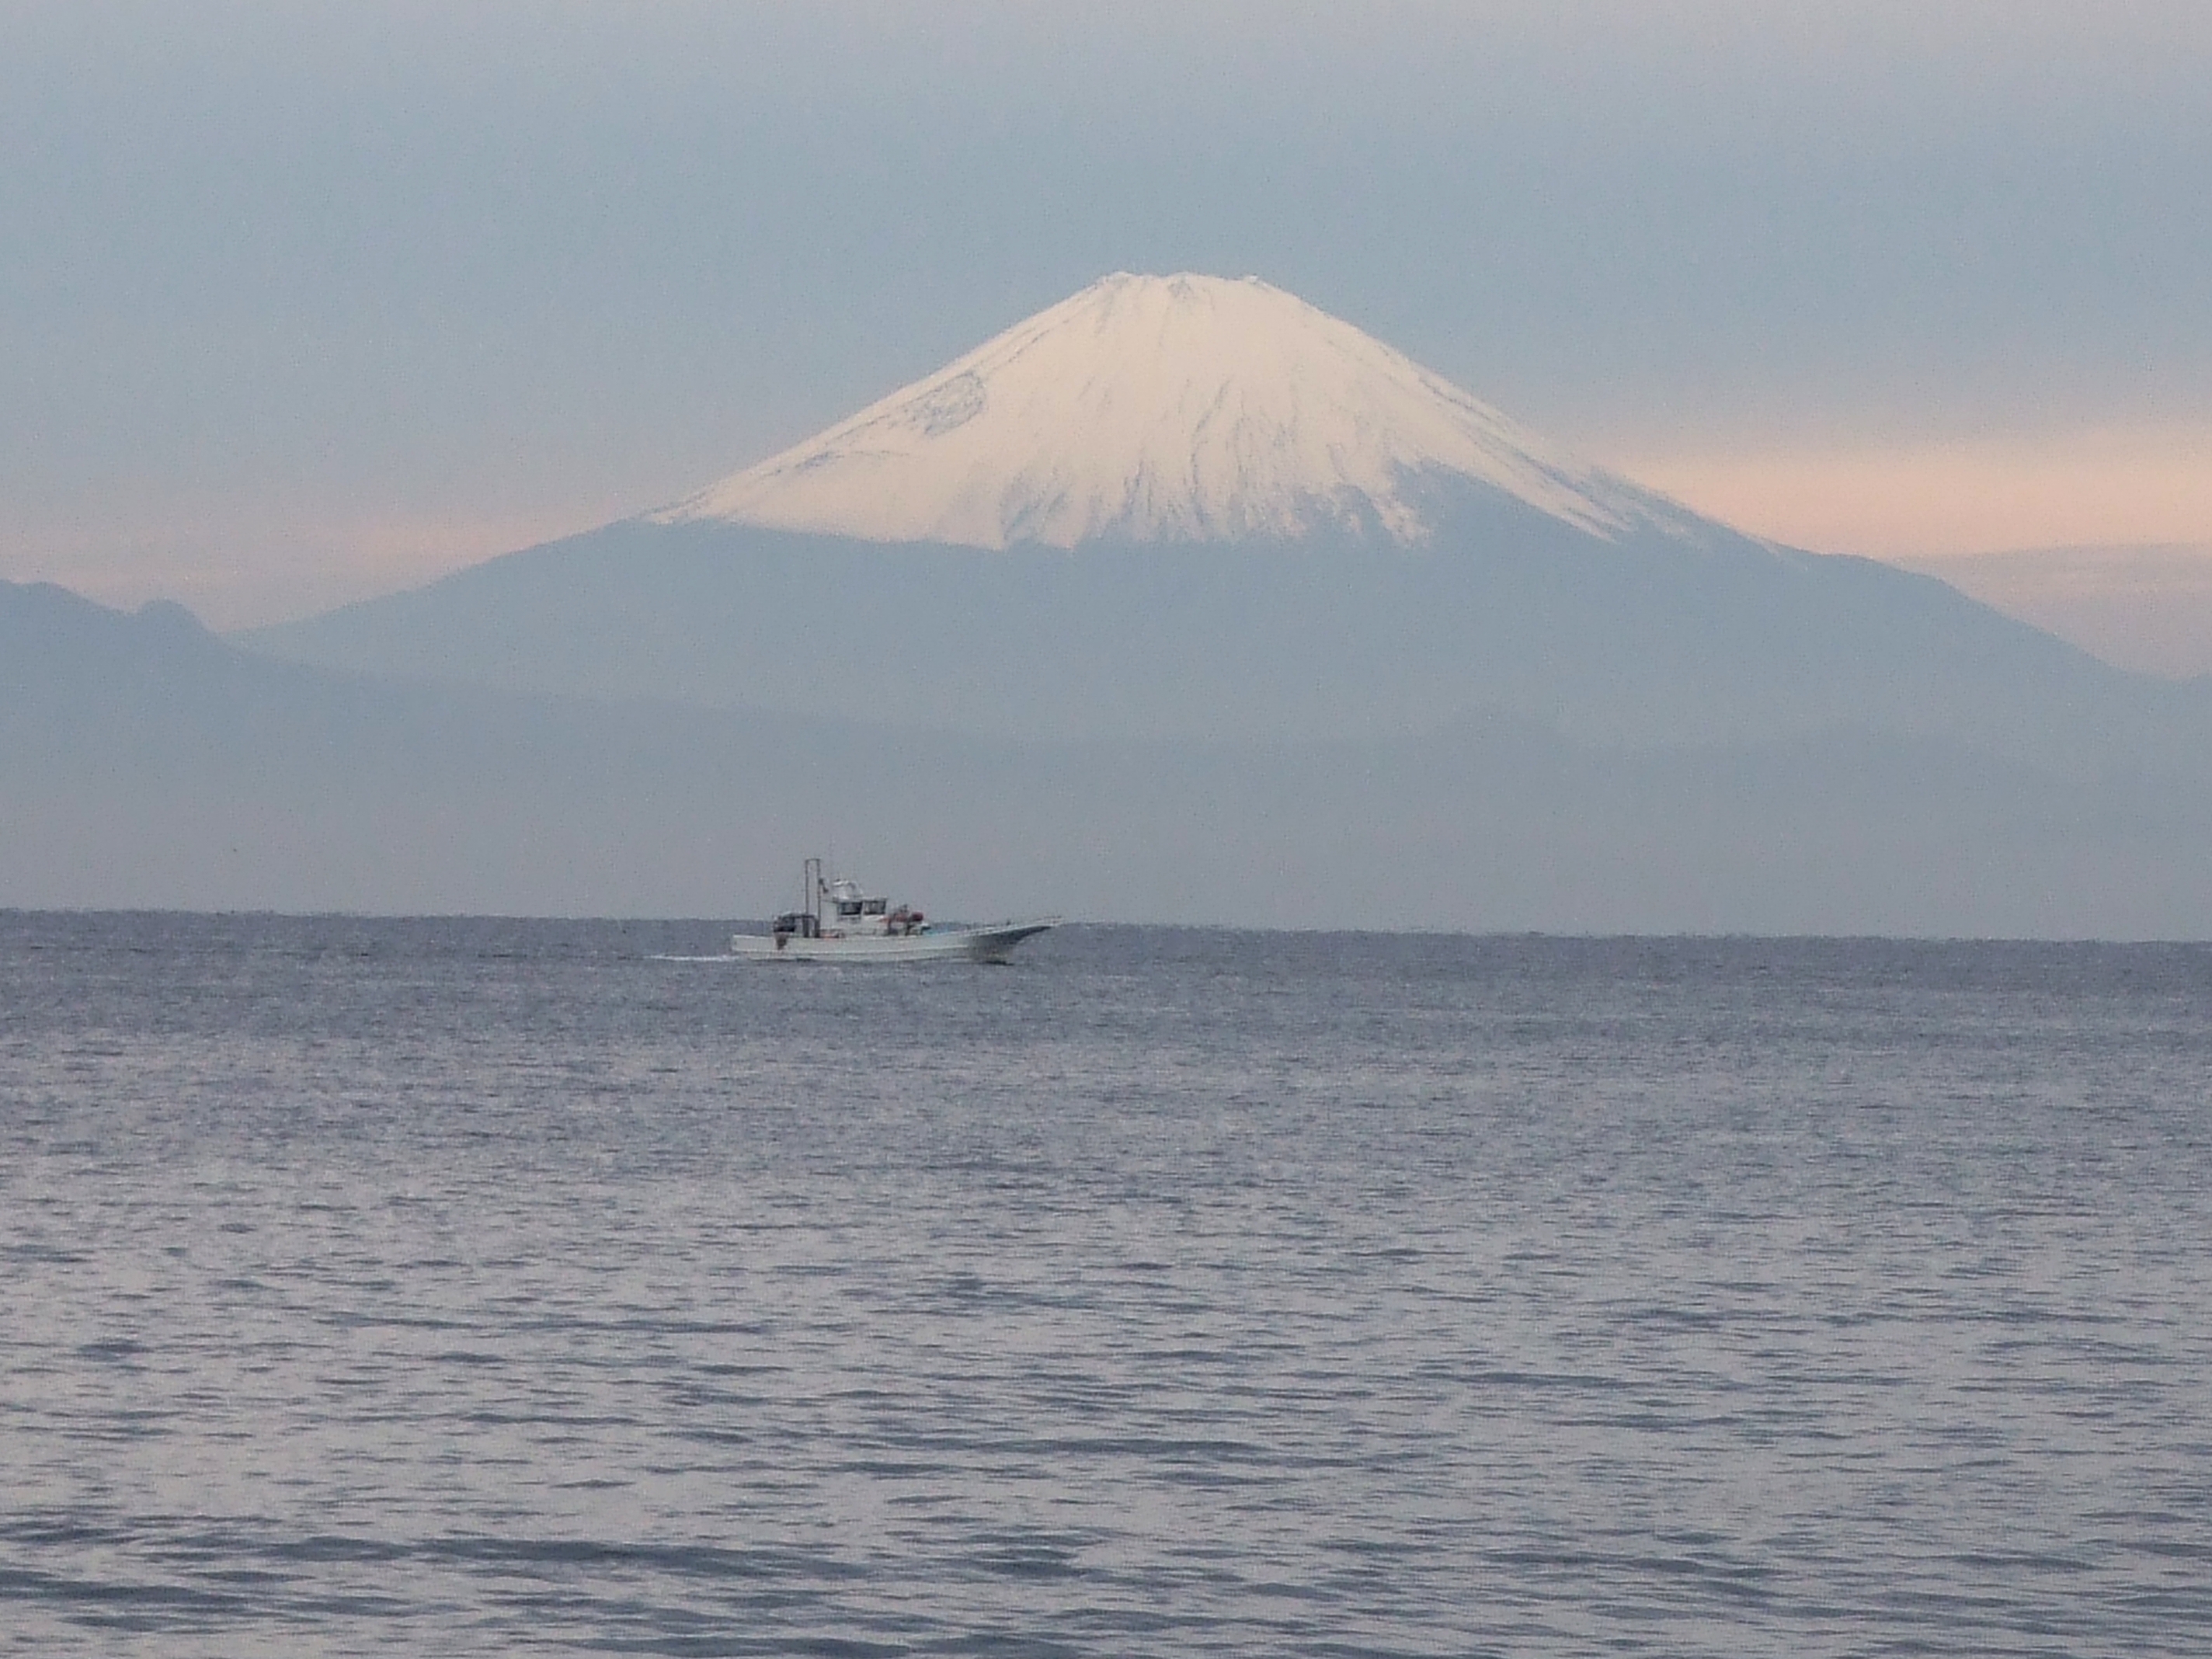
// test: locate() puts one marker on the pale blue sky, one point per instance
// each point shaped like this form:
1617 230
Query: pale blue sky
298 301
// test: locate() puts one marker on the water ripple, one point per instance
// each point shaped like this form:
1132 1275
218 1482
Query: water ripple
492 1287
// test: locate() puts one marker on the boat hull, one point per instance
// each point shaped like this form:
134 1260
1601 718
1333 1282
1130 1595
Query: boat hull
993 944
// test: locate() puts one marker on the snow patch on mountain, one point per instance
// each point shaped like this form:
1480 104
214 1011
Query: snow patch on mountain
1167 409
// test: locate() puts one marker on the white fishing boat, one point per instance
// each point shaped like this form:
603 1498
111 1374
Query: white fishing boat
839 923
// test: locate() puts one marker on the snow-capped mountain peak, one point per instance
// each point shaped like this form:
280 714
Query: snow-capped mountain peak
1183 407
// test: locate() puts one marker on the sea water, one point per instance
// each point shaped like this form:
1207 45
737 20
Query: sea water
455 1287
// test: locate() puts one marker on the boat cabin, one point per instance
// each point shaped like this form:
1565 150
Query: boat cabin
846 909
838 909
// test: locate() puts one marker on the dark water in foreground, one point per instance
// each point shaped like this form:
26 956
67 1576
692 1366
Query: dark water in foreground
469 1287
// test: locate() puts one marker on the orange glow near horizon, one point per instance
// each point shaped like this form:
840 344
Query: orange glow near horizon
269 557
2104 488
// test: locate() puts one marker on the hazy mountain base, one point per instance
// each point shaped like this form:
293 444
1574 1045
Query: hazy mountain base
142 763
1656 639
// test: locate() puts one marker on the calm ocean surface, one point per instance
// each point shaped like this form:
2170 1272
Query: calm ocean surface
460 1287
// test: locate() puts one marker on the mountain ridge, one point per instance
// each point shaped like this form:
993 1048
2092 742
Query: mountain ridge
145 764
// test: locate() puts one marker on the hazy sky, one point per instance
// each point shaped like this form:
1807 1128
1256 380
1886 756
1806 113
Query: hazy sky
300 301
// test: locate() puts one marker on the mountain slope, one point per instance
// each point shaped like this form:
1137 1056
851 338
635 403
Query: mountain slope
1646 640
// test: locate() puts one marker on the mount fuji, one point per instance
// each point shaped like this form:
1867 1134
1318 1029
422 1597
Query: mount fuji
1185 506
1176 408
